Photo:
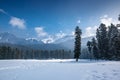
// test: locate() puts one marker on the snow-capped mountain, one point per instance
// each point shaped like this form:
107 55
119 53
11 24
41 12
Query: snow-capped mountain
33 41
9 38
67 42
12 39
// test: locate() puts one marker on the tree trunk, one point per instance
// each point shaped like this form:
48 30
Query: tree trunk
76 59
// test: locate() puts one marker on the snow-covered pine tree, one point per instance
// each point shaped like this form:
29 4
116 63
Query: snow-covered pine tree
116 45
116 41
102 39
77 49
89 45
112 34
95 49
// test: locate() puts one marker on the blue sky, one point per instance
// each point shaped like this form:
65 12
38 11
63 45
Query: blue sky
42 19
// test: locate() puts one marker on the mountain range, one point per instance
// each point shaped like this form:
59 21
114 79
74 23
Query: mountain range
67 42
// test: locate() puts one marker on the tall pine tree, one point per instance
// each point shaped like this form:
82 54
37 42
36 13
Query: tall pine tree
77 49
102 40
112 34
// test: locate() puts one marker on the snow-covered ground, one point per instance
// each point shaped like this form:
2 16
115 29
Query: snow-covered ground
59 70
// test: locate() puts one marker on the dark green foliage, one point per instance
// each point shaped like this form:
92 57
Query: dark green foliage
7 52
77 49
112 34
89 45
116 46
92 48
119 18
95 49
95 52
107 45
102 40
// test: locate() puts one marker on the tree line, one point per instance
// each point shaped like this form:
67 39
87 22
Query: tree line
7 52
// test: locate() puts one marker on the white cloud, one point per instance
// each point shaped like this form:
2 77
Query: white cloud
60 34
50 39
2 11
40 32
108 20
90 31
105 16
73 33
14 21
78 21
17 22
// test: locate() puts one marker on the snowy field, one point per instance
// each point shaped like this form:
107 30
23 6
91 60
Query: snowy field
59 70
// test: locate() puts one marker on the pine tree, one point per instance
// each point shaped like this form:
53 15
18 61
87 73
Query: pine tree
112 34
94 48
89 45
77 49
116 45
119 18
102 40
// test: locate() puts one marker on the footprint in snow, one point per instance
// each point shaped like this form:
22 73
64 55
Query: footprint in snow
115 73
95 72
114 70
